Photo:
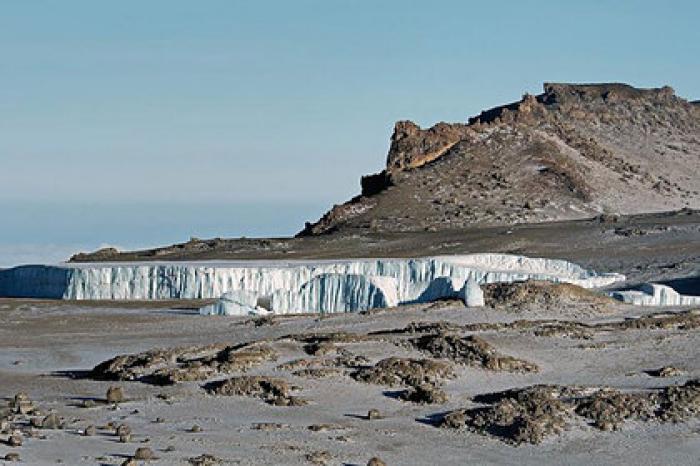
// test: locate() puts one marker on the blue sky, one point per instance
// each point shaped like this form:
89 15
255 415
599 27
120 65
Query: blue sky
289 102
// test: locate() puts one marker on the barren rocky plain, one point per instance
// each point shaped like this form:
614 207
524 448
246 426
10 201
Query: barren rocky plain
542 374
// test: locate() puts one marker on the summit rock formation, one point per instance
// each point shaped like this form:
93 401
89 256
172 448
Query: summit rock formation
574 151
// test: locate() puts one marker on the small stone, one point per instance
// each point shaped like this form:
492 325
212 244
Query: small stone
376 462
204 459
129 462
20 398
373 414
144 453
22 404
169 448
36 422
51 421
159 420
89 403
123 429
195 428
319 457
607 426
15 440
124 438
670 371
115 395
90 431
12 456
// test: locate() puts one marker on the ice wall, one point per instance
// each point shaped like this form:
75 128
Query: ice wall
291 286
235 303
653 294
335 292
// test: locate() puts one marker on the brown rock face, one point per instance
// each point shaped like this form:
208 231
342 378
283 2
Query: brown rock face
412 147
574 151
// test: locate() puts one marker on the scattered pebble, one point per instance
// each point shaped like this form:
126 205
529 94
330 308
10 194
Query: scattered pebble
88 403
666 371
15 440
12 456
268 426
51 421
204 459
373 414
115 394
376 462
144 453
89 431
322 427
319 457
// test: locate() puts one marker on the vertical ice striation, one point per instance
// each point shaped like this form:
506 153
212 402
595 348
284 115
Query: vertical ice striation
334 292
292 286
654 294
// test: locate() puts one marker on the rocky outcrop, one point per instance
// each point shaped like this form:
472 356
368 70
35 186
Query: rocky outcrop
412 147
574 151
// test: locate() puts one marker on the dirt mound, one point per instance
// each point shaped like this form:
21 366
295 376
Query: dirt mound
527 415
424 394
168 366
540 294
405 371
271 390
422 327
531 414
321 344
472 351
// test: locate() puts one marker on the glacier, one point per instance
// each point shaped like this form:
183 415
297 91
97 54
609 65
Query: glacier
654 294
234 303
292 286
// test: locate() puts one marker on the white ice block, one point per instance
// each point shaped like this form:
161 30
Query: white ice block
292 286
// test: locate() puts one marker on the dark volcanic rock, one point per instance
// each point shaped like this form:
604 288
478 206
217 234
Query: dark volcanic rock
470 350
531 414
271 390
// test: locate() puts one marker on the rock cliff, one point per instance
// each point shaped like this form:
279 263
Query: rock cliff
574 151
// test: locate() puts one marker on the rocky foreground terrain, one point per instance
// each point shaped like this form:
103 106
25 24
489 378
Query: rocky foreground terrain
543 374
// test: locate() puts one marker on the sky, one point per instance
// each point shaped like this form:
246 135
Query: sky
137 123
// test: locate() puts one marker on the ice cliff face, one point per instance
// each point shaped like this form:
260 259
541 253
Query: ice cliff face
235 303
653 294
325 286
335 292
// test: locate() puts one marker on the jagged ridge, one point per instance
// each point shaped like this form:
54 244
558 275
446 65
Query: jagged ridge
573 151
